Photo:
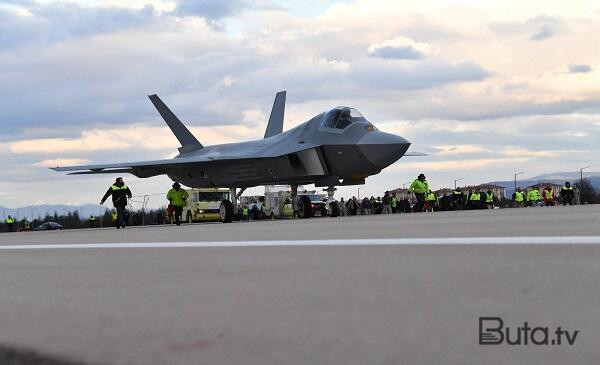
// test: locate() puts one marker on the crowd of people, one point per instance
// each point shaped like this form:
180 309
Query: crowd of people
422 199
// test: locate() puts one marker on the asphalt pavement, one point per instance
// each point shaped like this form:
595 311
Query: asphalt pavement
298 304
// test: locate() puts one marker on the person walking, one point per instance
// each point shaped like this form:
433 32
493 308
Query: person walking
177 197
567 194
419 187
120 193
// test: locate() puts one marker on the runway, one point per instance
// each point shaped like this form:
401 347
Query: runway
392 289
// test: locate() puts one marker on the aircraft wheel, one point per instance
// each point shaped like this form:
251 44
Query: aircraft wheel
304 207
188 217
335 209
226 211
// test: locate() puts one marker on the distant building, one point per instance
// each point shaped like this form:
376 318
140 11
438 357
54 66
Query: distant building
401 193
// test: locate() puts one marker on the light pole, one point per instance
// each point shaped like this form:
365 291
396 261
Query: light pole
456 180
581 175
358 193
518 173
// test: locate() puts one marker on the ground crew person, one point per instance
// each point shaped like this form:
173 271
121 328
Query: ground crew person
431 199
120 192
518 198
419 187
245 213
489 199
177 197
92 221
10 222
533 196
458 199
474 199
566 194
394 203
387 203
548 196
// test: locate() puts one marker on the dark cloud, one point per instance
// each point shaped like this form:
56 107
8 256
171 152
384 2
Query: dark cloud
579 68
212 10
403 52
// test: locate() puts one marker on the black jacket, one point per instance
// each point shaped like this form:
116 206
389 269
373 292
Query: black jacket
119 193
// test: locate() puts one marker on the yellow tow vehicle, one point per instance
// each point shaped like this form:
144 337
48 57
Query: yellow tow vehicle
203 204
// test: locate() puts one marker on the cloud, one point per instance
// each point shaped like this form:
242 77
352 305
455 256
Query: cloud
56 21
393 74
401 48
61 162
579 68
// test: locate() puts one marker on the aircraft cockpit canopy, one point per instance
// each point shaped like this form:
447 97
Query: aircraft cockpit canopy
342 117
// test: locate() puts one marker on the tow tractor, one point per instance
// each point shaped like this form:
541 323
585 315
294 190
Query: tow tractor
203 204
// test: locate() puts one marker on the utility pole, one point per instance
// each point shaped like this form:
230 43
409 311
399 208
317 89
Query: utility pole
456 180
358 192
581 175
518 173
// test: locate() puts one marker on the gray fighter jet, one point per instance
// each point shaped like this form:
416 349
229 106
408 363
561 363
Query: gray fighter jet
337 147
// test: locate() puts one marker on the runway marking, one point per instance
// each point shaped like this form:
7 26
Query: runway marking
590 240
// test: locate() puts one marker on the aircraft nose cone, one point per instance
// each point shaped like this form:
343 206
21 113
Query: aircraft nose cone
383 149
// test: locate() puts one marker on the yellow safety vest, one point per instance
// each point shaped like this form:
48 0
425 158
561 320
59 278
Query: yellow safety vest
10 220
519 196
115 187
489 198
475 197
548 194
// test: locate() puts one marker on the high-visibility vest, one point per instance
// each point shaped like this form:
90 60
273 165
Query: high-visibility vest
394 200
114 216
533 195
431 197
92 218
548 194
419 187
489 197
519 196
245 211
10 220
567 188
115 187
475 197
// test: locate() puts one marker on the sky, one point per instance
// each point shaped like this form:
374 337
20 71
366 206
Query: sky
485 88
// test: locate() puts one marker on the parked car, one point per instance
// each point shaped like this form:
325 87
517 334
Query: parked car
48 226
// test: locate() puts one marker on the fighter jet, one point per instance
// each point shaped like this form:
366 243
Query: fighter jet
337 147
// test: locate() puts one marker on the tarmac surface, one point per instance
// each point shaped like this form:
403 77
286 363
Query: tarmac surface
413 296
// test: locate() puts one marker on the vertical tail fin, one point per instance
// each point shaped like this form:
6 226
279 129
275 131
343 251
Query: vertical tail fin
188 142
275 125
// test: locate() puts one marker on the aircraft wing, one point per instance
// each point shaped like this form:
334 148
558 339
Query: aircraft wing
139 169
415 154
